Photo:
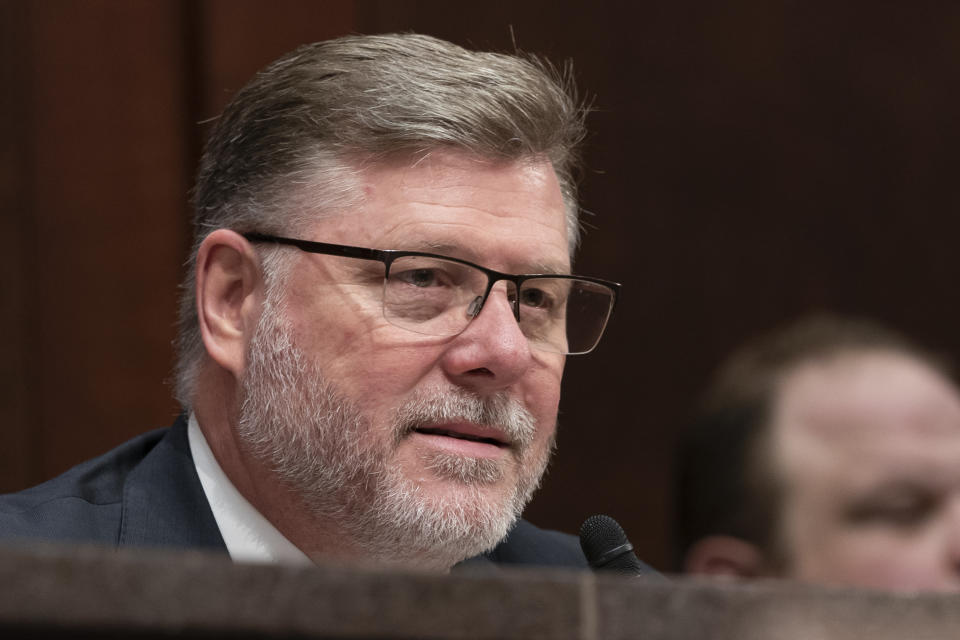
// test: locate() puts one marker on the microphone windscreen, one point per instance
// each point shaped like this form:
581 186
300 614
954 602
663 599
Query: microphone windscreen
606 547
600 533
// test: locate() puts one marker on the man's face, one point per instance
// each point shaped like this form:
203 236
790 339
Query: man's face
869 449
446 429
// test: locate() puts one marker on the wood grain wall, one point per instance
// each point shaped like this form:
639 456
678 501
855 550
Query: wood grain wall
750 161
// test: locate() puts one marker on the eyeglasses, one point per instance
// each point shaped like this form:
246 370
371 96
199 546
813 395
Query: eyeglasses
436 295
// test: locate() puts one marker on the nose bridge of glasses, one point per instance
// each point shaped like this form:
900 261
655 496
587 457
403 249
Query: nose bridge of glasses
479 301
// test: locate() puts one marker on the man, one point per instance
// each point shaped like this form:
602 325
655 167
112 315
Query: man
827 451
363 380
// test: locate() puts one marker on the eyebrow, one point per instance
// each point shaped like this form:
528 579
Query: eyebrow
458 251
906 485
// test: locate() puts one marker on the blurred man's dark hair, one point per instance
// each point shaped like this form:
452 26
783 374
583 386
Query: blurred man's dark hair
727 481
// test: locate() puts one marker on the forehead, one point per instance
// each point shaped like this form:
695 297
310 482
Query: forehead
509 212
861 417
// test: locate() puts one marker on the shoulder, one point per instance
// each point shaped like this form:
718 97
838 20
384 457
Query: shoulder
527 544
82 504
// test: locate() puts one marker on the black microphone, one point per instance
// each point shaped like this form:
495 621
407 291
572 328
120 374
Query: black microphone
607 549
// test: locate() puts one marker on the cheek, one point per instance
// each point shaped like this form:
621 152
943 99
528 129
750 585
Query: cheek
541 393
543 404
874 557
893 566
383 374
363 356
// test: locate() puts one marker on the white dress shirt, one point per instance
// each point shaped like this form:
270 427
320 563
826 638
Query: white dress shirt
248 535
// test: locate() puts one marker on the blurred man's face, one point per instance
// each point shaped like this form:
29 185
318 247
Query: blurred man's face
869 447
418 445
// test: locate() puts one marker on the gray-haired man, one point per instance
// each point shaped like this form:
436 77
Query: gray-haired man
364 376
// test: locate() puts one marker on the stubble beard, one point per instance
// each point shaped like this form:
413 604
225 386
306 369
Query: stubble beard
321 446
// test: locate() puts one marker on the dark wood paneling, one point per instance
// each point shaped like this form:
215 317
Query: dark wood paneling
18 453
239 37
749 161
107 197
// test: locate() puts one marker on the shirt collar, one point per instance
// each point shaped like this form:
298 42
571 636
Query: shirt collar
249 536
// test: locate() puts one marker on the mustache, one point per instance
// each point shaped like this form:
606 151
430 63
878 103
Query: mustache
499 411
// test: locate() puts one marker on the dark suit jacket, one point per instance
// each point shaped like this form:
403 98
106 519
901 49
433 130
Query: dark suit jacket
146 493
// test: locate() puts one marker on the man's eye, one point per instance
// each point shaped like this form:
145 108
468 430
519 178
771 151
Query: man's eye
536 298
900 511
420 277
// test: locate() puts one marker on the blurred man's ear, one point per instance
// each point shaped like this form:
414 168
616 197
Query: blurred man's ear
724 556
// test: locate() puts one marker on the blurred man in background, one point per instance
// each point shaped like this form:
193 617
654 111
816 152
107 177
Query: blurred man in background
827 451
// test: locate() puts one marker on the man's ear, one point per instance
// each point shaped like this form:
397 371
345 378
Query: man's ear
724 556
229 295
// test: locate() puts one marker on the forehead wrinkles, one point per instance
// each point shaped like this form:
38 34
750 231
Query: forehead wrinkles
500 189
472 207
498 195
504 192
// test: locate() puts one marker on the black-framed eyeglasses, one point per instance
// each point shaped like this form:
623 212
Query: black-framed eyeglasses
438 295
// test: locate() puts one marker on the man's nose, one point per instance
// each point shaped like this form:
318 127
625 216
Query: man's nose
492 352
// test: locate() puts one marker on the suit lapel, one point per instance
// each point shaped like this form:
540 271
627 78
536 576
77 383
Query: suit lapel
163 501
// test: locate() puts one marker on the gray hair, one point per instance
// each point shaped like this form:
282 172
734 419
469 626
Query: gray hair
289 145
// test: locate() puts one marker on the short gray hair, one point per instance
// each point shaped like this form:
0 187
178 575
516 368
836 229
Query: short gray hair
287 147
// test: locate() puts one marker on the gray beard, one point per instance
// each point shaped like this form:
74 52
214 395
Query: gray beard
319 444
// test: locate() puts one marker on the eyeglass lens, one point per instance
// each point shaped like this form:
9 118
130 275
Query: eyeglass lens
439 297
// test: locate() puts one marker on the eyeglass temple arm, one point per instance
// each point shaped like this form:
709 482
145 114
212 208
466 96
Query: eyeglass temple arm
324 248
